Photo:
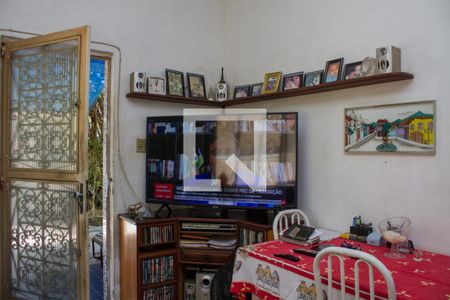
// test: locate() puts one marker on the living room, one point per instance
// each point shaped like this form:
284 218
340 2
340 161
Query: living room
250 40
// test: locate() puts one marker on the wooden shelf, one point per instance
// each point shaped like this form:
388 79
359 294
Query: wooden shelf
150 286
324 87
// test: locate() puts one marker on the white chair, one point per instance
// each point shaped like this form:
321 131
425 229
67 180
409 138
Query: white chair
366 258
286 218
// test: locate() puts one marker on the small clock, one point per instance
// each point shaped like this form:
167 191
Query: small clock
156 85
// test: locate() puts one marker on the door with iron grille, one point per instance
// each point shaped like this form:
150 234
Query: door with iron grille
44 166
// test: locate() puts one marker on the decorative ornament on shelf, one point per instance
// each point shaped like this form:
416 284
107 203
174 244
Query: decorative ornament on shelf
369 67
222 89
210 94
395 231
133 209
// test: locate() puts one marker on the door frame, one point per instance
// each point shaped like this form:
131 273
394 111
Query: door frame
78 176
107 210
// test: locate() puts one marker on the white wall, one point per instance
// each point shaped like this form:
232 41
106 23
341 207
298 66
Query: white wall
301 35
252 37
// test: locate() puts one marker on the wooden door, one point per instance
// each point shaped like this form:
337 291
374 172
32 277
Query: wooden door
44 166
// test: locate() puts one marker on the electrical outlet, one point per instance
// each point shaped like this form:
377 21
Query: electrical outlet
140 145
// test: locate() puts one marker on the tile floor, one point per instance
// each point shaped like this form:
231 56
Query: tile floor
96 279
95 267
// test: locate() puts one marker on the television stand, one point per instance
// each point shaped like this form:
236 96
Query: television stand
176 245
161 209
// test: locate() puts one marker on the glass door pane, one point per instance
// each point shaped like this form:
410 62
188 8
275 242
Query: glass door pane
44 250
43 107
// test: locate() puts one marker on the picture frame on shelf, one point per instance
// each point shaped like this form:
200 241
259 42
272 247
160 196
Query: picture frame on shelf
399 128
333 69
156 85
271 82
256 89
313 78
174 83
352 71
196 85
292 81
242 91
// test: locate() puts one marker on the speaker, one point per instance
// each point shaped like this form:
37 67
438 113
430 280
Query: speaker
222 92
138 82
189 289
203 282
388 59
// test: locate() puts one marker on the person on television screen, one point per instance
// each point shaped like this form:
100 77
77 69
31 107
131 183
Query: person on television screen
220 148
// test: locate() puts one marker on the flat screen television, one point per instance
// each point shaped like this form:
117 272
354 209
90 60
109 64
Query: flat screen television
168 167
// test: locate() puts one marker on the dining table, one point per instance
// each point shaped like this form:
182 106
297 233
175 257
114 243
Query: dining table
257 271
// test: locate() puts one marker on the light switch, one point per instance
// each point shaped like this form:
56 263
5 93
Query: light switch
140 145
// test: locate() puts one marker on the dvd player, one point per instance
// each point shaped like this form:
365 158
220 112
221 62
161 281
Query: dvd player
208 226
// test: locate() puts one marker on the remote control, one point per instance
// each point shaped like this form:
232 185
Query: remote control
308 252
287 256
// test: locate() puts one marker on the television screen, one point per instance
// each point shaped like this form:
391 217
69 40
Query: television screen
224 165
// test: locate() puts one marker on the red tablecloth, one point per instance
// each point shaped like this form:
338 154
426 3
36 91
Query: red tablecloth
428 279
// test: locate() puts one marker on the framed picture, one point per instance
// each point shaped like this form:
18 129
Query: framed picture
271 82
353 70
313 78
156 85
175 83
394 128
196 85
242 91
256 89
333 70
292 81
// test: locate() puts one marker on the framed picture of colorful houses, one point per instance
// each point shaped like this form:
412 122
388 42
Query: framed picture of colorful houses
394 128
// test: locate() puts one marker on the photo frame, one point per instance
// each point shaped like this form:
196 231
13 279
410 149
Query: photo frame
256 89
333 70
403 128
292 81
313 78
156 85
174 83
196 85
242 91
352 71
271 83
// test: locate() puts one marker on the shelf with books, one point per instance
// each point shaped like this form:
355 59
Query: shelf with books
158 234
165 292
156 269
158 284
251 233
250 237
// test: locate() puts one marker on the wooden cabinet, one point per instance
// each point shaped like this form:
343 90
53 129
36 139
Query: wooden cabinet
148 259
153 254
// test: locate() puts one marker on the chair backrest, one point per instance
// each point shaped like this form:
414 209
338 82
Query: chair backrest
286 218
221 283
361 257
